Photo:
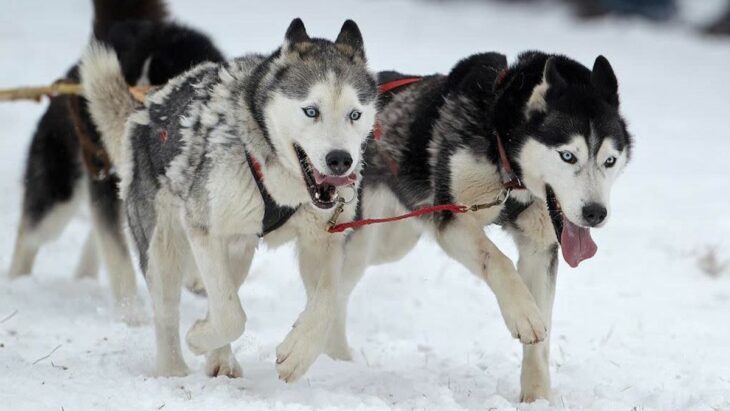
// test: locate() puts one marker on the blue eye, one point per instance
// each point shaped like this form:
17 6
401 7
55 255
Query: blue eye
568 157
610 162
311 112
355 115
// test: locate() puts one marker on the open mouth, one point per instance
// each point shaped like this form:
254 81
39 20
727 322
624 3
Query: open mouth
322 188
575 241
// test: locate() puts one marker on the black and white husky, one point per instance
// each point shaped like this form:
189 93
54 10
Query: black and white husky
66 147
564 143
225 153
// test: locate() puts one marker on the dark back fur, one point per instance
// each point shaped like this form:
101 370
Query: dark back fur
54 162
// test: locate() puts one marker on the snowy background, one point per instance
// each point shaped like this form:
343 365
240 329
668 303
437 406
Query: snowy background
641 326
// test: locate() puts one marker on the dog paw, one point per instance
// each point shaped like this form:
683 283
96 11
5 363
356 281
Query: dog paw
535 393
222 363
525 322
299 349
195 285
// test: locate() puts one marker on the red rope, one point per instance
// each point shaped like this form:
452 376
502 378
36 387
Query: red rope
454 208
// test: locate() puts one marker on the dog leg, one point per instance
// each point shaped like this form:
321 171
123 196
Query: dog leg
464 240
337 346
226 319
222 361
26 249
240 257
320 262
538 265
118 262
37 230
164 281
88 265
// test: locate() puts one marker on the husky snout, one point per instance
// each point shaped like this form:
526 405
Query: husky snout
594 214
338 162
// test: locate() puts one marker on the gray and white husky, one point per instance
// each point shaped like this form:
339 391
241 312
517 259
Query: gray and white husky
562 137
225 154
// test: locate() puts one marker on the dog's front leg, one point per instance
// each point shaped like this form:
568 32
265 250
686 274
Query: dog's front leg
226 320
222 361
464 240
538 266
320 262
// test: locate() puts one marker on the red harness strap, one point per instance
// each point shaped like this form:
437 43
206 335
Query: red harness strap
258 174
390 86
509 178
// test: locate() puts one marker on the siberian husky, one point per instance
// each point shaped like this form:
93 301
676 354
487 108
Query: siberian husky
543 140
263 146
67 160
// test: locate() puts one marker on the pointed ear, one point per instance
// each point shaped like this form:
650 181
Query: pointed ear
552 86
296 33
296 36
604 80
555 81
350 42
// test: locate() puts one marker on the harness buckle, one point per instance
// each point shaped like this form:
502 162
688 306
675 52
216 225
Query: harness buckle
336 214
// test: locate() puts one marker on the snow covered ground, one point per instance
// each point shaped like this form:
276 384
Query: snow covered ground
640 326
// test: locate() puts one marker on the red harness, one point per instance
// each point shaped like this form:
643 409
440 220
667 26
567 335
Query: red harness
510 181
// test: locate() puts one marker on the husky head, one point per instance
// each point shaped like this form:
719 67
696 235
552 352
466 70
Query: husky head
574 145
317 107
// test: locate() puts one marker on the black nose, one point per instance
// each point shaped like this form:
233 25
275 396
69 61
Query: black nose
339 161
594 214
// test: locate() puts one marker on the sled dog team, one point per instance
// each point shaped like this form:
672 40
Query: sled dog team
227 153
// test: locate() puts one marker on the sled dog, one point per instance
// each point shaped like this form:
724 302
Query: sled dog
542 138
67 162
262 146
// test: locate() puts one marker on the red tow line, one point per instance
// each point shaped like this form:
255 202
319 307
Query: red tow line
454 208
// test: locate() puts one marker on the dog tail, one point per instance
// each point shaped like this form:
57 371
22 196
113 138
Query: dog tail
108 96
108 12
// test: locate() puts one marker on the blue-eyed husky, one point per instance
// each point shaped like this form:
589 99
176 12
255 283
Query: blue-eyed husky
548 128
225 153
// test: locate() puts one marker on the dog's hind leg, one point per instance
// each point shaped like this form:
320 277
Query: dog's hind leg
166 260
88 265
51 186
226 319
42 221
464 240
106 215
26 249
538 265
364 247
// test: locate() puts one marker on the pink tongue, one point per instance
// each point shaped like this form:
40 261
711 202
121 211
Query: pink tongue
320 178
576 243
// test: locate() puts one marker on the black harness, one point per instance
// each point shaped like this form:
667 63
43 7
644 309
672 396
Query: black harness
275 215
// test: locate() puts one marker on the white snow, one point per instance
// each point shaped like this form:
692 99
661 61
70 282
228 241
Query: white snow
640 326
